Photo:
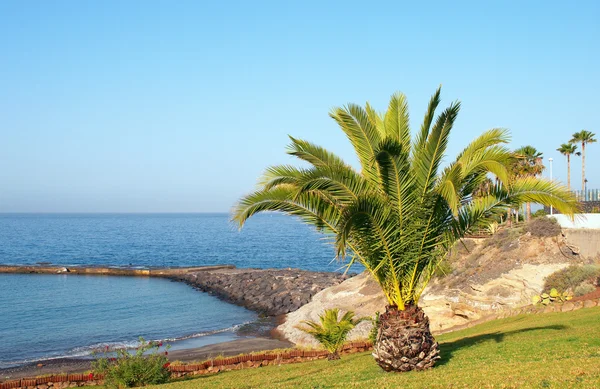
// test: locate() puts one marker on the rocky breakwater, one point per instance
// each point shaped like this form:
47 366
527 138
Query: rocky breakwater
271 292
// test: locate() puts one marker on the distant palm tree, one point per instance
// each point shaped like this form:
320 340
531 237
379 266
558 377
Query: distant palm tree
528 164
400 214
484 188
584 137
568 149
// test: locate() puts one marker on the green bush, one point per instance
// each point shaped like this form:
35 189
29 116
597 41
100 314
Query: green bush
572 277
132 370
539 213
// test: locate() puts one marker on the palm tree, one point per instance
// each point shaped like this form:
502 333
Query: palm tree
568 149
401 213
584 137
529 163
331 332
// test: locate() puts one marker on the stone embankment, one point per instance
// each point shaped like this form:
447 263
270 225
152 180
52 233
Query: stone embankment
165 272
268 291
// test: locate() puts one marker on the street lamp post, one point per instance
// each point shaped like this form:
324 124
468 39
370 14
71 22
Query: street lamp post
550 160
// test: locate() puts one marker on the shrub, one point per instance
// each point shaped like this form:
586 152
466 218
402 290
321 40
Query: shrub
331 332
539 213
543 227
584 288
572 277
131 370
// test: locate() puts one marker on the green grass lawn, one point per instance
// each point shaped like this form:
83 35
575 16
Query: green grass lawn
555 350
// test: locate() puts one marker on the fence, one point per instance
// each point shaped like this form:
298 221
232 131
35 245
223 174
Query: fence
587 195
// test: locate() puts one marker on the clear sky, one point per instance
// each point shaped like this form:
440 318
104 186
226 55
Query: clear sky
174 106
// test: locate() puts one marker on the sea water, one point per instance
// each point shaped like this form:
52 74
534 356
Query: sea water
50 316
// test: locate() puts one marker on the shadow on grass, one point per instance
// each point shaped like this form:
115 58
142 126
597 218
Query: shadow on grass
448 348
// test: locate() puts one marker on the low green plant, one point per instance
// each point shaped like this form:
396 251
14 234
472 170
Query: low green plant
539 213
492 228
331 332
145 366
553 297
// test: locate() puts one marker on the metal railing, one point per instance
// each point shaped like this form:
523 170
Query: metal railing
587 195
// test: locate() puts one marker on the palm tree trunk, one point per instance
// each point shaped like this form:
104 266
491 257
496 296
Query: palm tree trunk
583 168
528 207
569 171
404 340
517 216
509 218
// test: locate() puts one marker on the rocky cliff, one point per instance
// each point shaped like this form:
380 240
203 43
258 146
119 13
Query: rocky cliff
483 276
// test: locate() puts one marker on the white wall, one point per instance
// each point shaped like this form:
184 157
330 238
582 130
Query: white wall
582 220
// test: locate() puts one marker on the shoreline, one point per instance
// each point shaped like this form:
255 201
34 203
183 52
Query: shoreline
252 337
79 365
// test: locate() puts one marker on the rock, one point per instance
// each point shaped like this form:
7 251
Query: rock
589 303
567 307
486 281
360 294
268 291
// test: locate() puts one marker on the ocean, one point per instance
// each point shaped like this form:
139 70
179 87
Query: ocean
52 316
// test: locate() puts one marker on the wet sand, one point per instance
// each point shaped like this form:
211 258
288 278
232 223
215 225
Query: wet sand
74 365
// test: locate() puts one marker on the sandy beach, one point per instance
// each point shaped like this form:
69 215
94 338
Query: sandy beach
76 365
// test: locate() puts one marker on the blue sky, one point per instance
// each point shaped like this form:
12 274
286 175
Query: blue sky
161 106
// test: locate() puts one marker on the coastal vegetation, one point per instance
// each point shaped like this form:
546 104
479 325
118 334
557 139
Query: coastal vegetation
332 330
552 350
400 214
146 366
576 279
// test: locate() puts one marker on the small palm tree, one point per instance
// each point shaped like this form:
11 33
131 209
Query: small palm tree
584 137
529 164
568 149
331 332
403 211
